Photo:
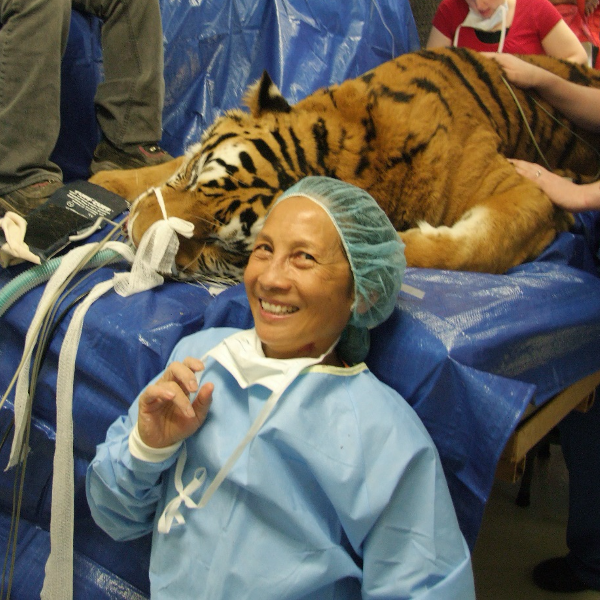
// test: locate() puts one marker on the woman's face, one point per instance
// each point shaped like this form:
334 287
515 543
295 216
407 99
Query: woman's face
298 281
485 8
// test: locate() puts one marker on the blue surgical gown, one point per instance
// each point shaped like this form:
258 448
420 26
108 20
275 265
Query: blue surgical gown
341 495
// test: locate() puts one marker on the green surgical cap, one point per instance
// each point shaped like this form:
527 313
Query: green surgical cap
374 250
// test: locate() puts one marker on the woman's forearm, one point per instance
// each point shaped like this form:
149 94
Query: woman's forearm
577 102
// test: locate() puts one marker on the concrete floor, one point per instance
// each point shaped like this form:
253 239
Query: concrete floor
514 539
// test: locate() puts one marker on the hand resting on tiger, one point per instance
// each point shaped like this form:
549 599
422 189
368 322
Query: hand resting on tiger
427 134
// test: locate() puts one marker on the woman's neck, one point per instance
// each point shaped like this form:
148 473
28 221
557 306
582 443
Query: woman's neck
332 360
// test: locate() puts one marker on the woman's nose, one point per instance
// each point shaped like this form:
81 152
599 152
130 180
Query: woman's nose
274 274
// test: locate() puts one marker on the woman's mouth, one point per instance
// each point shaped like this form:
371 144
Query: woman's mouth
277 309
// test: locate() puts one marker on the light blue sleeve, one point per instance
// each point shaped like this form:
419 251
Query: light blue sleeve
415 549
123 492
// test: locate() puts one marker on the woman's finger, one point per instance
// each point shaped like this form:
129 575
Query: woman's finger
195 364
202 402
527 169
184 374
157 395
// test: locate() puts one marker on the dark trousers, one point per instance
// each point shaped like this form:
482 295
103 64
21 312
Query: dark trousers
33 37
580 440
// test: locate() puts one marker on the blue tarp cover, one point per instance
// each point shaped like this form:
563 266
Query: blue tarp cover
470 356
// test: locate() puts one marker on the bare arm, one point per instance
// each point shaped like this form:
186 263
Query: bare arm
561 191
561 42
577 102
438 40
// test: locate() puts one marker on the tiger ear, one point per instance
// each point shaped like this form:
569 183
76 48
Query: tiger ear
264 96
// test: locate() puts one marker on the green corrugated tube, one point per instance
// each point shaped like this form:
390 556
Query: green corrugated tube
33 277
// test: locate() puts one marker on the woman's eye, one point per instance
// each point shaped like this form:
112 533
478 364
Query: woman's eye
261 249
305 257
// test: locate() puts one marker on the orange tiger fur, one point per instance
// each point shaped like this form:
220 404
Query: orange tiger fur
426 134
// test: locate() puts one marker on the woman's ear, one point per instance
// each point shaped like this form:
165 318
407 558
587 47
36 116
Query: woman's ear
363 305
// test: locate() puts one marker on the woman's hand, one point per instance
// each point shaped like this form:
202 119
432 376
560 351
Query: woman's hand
563 192
521 73
166 415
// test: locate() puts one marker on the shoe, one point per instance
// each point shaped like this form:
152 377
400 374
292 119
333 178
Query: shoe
555 575
25 199
108 157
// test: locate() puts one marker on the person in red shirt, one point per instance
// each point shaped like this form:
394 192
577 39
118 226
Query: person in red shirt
583 17
510 26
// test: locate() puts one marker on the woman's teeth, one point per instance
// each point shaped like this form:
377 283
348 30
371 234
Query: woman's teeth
277 309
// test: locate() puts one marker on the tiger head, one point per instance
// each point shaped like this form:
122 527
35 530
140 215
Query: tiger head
225 186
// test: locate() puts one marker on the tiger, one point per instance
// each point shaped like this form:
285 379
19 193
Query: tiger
427 134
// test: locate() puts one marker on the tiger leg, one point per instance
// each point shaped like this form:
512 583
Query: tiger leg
130 183
498 233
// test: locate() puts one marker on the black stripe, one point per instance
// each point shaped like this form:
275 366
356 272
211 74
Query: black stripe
367 77
226 184
408 157
484 76
453 67
284 179
283 148
300 154
576 75
331 95
257 182
363 164
428 86
220 139
224 215
247 218
247 162
395 95
230 169
192 168
319 131
568 149
369 126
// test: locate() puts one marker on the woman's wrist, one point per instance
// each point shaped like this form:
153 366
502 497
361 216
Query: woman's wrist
140 450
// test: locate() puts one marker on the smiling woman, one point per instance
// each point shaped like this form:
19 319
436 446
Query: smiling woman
298 282
318 466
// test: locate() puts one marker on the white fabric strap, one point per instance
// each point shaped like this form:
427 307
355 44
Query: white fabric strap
474 20
171 512
68 264
161 250
181 226
250 435
155 254
66 267
58 582
15 250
